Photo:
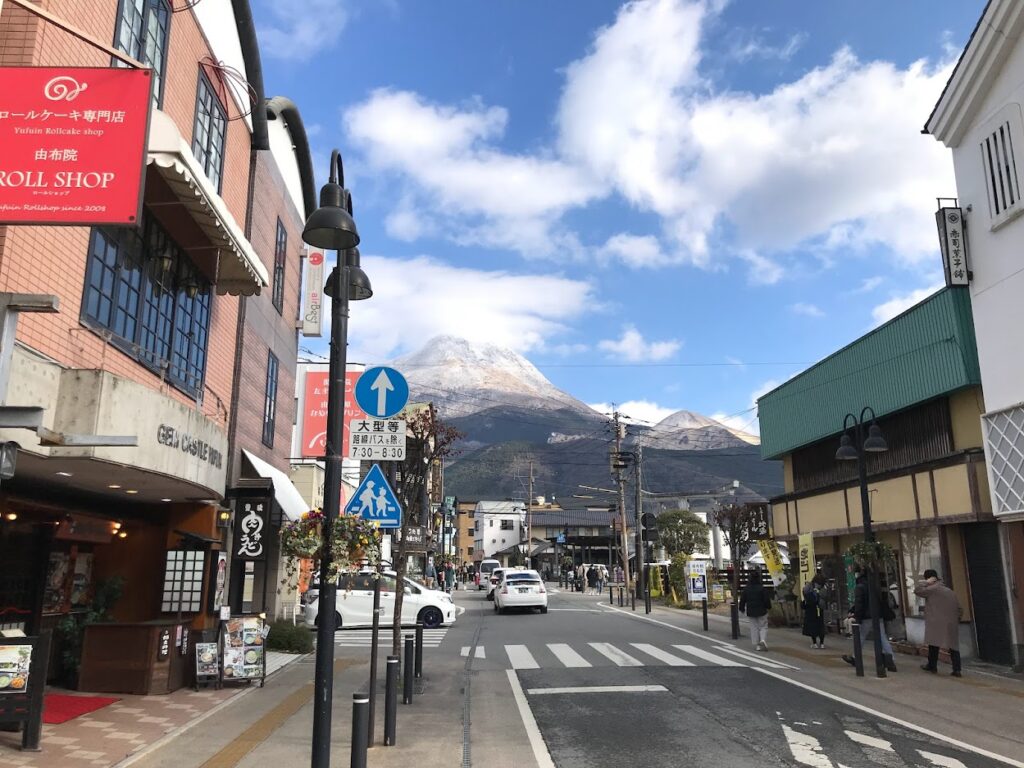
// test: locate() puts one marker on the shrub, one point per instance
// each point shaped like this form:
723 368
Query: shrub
287 637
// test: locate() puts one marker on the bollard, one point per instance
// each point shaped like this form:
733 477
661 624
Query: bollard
390 701
611 595
632 599
360 732
622 597
419 649
704 612
858 651
408 670
734 610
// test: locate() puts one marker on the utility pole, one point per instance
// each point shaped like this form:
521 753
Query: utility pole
620 431
529 519
638 504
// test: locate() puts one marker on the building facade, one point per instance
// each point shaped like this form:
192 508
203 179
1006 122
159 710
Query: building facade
980 117
928 492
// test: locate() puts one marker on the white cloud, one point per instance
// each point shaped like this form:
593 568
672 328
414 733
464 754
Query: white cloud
522 312
636 411
899 304
635 250
746 420
868 284
763 271
808 310
633 348
299 35
747 47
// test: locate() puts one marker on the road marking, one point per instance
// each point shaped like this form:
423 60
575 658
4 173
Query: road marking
869 741
806 749
480 654
660 655
905 723
610 651
770 663
540 750
577 610
700 653
568 656
941 760
520 657
600 689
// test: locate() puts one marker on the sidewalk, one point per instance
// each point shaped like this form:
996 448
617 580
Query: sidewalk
112 735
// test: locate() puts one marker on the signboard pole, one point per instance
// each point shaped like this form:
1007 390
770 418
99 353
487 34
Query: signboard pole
374 635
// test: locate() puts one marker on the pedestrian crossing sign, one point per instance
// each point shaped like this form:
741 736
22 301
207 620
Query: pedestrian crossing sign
375 501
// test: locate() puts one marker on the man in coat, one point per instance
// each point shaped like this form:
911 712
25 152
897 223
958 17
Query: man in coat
861 613
756 602
941 621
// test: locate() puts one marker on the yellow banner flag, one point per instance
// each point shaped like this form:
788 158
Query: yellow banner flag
807 564
772 559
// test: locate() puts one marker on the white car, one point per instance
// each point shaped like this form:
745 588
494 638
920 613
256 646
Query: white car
484 572
354 606
520 589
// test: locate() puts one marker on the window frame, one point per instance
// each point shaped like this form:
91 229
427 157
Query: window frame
149 7
202 82
270 399
133 258
280 262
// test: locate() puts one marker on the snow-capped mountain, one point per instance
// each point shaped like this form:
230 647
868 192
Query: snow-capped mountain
686 430
463 378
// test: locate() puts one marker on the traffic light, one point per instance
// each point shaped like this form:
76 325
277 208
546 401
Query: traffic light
649 527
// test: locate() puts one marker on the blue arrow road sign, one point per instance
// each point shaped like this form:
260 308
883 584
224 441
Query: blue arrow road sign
382 392
375 501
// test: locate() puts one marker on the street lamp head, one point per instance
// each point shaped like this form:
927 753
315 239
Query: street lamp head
875 443
846 450
359 287
331 226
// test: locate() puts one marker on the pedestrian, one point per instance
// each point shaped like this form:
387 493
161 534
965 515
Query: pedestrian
861 613
619 574
601 578
941 621
756 602
429 574
592 580
449 577
814 617
440 579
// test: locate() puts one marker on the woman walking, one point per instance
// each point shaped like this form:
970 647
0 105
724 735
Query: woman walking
814 617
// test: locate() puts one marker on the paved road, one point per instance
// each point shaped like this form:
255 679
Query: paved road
586 687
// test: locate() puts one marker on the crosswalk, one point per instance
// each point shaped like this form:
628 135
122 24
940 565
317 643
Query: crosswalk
359 638
584 655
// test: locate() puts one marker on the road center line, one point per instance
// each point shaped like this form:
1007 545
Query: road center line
600 689
540 749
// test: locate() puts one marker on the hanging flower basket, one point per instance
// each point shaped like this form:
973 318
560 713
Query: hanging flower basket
872 554
354 542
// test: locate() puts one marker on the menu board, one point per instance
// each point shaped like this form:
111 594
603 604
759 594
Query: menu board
15 661
243 648
207 660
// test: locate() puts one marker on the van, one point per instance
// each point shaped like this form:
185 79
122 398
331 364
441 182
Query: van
486 569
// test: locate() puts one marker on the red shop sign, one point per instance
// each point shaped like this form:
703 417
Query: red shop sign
314 417
73 144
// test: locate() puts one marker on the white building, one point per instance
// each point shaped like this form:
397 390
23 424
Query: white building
498 525
979 117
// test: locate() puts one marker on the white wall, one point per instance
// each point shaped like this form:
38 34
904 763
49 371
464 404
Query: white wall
217 20
284 155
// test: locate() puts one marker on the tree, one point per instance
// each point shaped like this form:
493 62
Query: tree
683 532
429 441
740 526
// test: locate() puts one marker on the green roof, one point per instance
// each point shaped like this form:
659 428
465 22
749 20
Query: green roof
926 352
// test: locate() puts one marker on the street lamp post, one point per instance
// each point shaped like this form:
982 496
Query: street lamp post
853 449
331 227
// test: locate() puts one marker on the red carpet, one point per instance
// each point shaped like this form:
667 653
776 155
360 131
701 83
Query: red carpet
59 707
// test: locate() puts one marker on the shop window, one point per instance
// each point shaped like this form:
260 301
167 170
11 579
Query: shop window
210 131
143 28
280 251
1004 443
184 571
270 401
143 289
921 550
469 551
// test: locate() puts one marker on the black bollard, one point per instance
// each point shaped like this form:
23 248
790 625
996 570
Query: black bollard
360 729
858 651
734 610
390 701
408 670
611 595
632 599
704 612
622 597
419 649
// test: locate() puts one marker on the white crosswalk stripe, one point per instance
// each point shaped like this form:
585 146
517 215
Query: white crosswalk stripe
478 653
700 653
567 655
660 655
520 657
751 658
359 638
620 658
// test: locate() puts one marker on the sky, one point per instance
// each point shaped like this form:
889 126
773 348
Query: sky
662 204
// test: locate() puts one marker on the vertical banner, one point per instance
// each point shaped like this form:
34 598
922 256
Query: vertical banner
807 563
772 560
314 416
697 580
74 144
251 523
313 295
953 245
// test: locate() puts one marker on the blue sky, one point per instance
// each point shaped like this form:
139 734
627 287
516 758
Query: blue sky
665 204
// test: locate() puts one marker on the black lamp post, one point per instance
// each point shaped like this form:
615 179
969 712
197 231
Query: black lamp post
331 227
853 449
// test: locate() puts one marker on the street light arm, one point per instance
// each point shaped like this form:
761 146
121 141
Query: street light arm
337 169
867 409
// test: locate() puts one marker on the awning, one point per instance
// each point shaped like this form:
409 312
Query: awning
239 269
285 492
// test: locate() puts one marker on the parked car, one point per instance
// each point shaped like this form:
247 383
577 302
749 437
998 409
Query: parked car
354 606
484 573
520 589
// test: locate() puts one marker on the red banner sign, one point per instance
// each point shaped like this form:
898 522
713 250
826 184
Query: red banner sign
314 417
74 144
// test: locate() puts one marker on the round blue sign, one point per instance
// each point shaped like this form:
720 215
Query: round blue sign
382 392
